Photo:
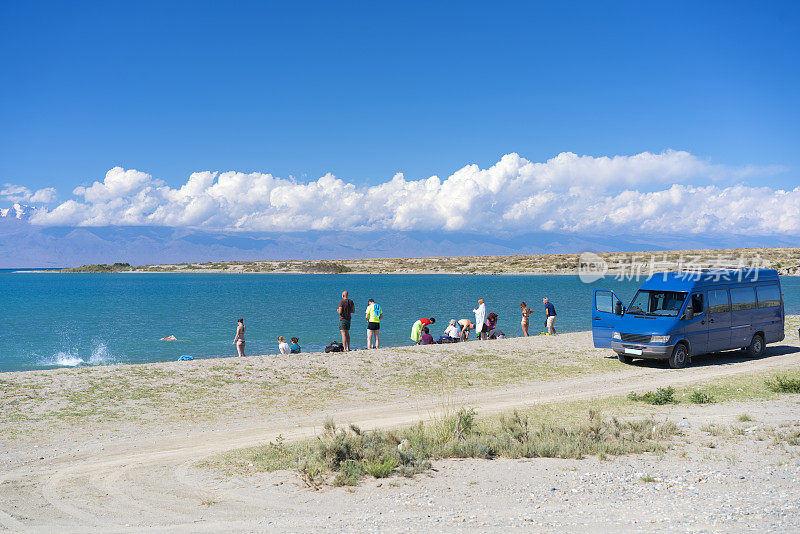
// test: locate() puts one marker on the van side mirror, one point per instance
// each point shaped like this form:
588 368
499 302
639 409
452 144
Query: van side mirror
689 313
618 308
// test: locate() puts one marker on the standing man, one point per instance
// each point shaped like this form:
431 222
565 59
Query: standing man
374 315
346 309
550 316
480 320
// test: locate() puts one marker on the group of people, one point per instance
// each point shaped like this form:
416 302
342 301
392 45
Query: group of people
283 347
485 326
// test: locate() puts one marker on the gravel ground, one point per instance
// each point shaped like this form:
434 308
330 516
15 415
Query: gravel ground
746 482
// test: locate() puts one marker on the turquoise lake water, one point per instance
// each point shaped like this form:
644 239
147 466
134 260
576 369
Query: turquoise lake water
58 320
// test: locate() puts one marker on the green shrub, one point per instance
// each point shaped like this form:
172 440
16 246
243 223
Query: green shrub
698 397
381 468
343 456
658 397
784 384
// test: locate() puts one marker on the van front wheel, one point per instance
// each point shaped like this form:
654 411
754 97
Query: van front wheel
756 347
678 358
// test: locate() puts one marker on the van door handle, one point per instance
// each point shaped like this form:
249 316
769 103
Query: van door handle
703 321
596 318
711 320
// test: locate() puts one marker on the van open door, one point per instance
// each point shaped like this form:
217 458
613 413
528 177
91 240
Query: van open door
606 309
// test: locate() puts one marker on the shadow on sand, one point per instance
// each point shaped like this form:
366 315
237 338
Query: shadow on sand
719 358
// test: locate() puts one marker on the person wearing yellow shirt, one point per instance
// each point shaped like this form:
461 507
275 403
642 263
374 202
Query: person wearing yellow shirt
373 316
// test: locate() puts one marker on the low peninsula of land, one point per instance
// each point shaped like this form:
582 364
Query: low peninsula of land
785 259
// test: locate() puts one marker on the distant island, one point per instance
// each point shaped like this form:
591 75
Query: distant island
785 259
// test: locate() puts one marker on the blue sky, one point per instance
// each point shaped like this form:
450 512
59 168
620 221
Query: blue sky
364 90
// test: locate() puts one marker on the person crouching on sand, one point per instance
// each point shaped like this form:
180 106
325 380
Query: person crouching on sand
283 346
239 339
416 329
426 338
294 347
465 326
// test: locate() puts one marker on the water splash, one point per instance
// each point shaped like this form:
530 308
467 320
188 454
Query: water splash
71 358
62 359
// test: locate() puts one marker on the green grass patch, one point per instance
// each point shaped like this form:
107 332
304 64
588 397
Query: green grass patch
658 397
699 397
784 384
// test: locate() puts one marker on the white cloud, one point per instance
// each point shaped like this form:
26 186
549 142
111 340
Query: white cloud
19 193
670 192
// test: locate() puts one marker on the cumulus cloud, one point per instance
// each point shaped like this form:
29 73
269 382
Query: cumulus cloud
670 192
19 193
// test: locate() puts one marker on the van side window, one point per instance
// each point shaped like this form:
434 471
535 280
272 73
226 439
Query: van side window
743 298
697 304
718 301
604 301
768 296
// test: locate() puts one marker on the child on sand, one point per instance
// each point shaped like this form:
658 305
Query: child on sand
283 346
294 347
426 338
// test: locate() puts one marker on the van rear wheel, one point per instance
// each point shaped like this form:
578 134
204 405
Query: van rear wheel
624 358
756 347
678 358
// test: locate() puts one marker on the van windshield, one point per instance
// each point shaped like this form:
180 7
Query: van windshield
660 303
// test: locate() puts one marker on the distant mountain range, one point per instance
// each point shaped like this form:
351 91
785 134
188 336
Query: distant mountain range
16 211
25 245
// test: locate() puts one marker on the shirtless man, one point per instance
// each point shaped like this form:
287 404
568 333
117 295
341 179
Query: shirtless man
466 325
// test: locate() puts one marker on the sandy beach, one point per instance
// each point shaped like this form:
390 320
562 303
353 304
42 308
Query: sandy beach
126 447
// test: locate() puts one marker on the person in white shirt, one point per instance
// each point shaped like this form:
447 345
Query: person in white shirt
451 330
283 346
480 320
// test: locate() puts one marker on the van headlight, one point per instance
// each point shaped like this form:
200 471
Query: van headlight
659 339
616 335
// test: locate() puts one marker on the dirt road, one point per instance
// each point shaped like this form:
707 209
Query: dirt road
150 480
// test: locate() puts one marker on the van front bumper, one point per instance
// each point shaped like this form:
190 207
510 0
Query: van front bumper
649 351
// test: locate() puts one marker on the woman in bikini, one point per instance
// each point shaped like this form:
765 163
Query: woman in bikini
239 339
526 318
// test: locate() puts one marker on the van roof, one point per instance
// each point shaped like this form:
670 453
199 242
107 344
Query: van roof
691 279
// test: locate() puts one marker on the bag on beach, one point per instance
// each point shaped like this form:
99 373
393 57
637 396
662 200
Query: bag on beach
334 346
447 339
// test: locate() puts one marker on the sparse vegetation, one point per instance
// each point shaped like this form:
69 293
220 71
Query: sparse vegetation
699 397
744 418
785 259
784 384
658 397
100 268
327 267
343 456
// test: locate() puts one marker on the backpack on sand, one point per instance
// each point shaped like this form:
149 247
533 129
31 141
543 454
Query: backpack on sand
334 346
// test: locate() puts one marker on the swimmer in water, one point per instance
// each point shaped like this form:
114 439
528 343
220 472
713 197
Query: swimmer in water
169 338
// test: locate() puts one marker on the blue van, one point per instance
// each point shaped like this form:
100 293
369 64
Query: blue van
677 315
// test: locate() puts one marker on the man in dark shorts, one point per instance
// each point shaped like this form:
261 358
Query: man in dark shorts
346 309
